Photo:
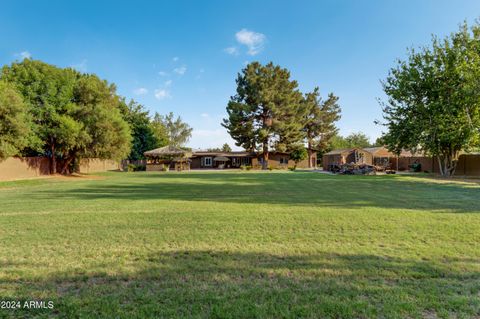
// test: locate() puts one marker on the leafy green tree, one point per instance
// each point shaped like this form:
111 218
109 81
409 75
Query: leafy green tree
353 140
298 153
74 115
15 130
433 101
159 131
104 133
144 136
319 122
177 131
265 113
47 91
226 148
358 139
379 142
337 142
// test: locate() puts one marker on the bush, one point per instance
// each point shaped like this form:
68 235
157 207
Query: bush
165 168
292 168
270 168
248 167
136 168
243 167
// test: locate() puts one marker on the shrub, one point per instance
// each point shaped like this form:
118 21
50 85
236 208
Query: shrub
165 168
140 168
292 168
243 167
136 168
248 167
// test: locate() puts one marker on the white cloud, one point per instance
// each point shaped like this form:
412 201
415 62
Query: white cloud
231 51
204 115
181 70
81 67
23 55
162 94
162 73
175 59
254 41
140 91
168 83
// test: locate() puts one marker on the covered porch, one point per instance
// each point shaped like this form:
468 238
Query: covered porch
168 158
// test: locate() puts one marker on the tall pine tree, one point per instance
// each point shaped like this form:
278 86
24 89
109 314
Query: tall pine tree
319 122
266 112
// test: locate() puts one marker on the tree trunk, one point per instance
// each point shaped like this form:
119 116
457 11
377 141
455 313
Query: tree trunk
310 154
53 160
66 163
265 156
447 164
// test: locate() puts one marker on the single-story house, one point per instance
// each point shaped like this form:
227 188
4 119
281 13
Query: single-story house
205 159
346 156
381 156
179 159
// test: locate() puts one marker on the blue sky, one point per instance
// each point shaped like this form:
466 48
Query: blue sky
183 56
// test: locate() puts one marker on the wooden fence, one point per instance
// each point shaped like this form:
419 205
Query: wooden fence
29 167
468 164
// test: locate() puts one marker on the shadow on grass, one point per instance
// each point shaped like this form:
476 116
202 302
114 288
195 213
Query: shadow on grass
306 189
219 284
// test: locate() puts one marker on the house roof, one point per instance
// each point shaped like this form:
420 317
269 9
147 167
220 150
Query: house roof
166 151
345 150
379 151
224 154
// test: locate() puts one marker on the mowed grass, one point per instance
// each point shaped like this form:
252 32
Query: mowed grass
241 245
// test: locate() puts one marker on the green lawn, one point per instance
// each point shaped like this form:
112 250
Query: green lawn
241 245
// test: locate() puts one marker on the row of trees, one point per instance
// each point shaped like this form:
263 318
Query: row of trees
358 139
269 112
64 114
225 148
433 101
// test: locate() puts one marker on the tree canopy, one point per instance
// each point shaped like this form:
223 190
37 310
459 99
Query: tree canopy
319 122
15 124
298 153
356 139
265 113
433 101
145 134
176 131
74 115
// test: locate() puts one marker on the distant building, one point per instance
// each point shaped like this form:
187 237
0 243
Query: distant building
178 159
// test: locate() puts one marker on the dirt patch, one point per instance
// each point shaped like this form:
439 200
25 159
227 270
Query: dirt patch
77 176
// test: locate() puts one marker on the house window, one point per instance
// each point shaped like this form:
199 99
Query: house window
208 161
283 160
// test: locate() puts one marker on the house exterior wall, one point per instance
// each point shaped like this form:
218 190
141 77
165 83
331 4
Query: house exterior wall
367 157
279 161
329 160
346 157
